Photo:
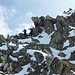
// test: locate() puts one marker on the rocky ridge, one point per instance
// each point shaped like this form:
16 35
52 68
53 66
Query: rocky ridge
49 51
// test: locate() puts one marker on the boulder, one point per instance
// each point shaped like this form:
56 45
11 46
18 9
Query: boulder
18 69
35 19
71 40
56 66
42 19
61 54
71 19
49 60
59 25
15 54
72 57
62 18
49 26
21 36
48 51
14 40
37 31
22 61
48 17
39 57
2 39
56 41
53 20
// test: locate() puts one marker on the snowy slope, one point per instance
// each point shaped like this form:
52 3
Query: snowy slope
45 40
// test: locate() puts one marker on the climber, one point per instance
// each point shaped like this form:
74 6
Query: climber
36 23
25 34
31 31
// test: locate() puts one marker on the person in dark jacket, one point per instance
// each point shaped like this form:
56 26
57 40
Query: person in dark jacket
25 34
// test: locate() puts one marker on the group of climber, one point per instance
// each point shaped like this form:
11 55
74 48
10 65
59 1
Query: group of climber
25 32
36 23
31 29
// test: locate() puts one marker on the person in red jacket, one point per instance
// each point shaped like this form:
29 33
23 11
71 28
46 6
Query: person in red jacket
36 23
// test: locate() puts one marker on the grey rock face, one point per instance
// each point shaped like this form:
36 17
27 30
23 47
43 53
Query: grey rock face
39 57
56 41
49 60
54 65
49 27
61 18
2 39
37 31
72 57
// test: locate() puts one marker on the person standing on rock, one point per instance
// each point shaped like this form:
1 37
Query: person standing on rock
25 34
31 31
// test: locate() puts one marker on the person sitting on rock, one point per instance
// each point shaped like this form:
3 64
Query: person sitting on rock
25 34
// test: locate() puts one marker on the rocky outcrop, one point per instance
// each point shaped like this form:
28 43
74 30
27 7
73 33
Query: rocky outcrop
38 57
57 66
72 57
2 39
56 41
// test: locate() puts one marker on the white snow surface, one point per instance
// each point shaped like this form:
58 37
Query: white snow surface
72 71
72 27
73 62
4 47
20 46
12 44
71 33
67 52
45 40
25 40
13 58
55 27
66 43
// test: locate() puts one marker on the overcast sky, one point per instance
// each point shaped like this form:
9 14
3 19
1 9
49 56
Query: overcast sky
14 13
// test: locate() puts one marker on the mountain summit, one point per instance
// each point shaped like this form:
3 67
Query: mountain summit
48 50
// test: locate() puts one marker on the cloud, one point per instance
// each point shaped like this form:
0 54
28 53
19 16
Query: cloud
5 14
29 14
